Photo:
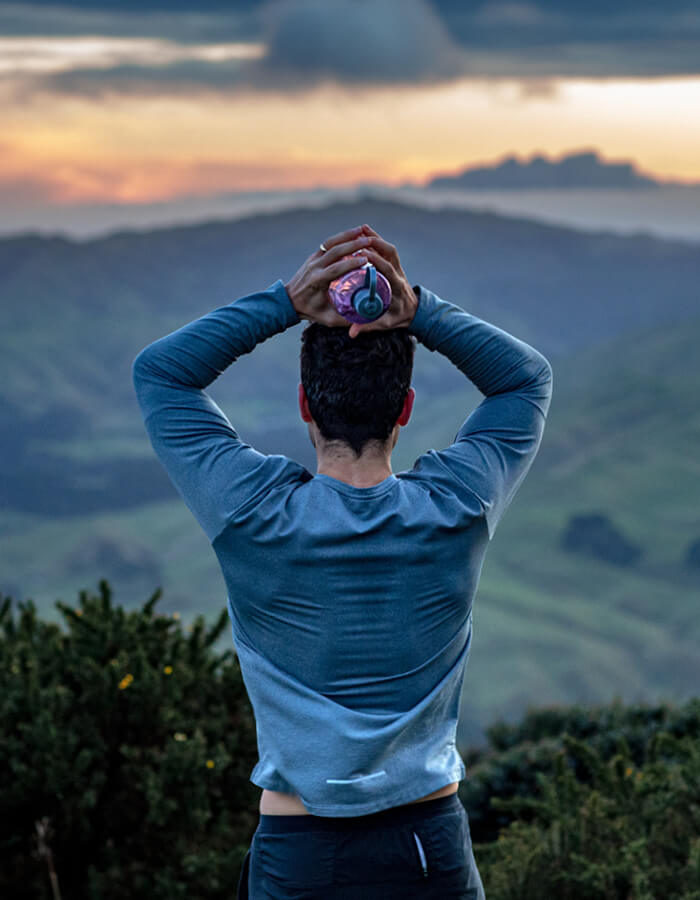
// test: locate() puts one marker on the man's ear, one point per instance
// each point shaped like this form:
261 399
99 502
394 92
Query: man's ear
304 404
405 414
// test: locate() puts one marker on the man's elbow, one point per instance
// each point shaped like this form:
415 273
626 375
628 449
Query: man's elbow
538 387
141 367
546 371
546 382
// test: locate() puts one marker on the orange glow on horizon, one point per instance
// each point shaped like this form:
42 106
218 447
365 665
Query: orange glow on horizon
139 149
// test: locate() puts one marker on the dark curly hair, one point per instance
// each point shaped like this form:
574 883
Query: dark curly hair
356 387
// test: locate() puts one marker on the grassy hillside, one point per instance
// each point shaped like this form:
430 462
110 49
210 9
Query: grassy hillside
76 314
83 496
551 625
555 626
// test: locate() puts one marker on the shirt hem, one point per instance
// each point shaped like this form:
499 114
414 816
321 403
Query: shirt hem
347 810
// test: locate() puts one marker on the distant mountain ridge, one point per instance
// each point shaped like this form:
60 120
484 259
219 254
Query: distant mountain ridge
81 311
584 169
76 314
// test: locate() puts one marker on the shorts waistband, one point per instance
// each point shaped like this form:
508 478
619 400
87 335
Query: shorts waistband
396 815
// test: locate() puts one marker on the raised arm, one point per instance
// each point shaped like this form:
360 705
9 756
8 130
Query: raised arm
497 444
495 447
214 471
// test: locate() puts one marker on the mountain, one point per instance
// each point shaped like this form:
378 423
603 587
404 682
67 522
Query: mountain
76 314
83 497
583 169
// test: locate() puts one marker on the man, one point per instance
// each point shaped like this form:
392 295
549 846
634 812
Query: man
350 591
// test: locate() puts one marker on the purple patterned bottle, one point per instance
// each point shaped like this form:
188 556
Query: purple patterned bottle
361 295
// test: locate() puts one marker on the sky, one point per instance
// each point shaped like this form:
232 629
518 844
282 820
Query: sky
141 102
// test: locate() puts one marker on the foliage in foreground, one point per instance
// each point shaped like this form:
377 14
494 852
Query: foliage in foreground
126 744
129 742
626 833
518 754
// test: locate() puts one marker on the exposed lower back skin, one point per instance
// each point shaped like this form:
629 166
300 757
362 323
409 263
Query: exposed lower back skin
274 803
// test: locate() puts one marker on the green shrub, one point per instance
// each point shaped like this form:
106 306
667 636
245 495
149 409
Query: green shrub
517 754
126 744
132 741
627 833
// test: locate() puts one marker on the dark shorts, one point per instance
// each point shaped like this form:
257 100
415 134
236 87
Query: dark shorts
420 851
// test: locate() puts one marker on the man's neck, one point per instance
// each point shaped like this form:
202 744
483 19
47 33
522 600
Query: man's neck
361 472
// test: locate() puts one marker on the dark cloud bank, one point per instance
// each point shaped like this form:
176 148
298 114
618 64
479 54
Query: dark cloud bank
355 42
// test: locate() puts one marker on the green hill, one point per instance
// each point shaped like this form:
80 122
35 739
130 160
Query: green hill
75 314
83 497
551 625
560 626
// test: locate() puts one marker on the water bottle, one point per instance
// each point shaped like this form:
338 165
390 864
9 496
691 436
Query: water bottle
361 295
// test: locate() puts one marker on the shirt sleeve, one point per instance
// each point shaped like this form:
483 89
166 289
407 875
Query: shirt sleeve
495 447
213 470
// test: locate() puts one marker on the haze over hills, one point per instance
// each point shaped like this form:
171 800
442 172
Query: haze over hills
580 190
83 496
578 169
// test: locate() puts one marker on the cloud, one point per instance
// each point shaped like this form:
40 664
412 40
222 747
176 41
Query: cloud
361 42
182 77
47 55
358 41
20 192
576 38
538 89
302 43
185 22
307 41
544 25
598 60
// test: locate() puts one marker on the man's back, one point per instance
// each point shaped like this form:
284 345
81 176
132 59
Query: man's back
350 607
351 612
357 591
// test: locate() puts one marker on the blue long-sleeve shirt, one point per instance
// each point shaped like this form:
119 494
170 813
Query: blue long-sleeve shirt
351 608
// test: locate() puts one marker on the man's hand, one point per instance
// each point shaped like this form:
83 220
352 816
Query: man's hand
308 289
404 303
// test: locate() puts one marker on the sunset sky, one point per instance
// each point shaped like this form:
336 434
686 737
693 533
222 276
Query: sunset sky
137 102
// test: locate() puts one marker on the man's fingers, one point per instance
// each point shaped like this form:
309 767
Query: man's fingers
387 250
346 241
356 328
344 249
368 230
342 237
330 273
383 266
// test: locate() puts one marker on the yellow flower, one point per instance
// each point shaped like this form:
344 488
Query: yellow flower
210 764
78 612
176 615
168 670
126 681
628 771
180 736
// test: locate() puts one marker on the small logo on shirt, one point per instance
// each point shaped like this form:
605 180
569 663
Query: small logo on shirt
355 778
